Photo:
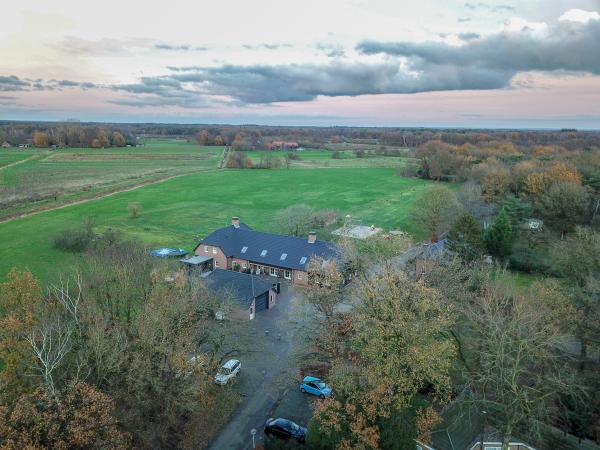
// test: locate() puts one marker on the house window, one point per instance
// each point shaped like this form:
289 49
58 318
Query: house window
299 275
243 266
287 275
303 260
244 248
206 249
216 263
273 272
263 253
214 250
234 265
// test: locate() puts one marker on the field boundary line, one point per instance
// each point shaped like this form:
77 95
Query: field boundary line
21 161
98 196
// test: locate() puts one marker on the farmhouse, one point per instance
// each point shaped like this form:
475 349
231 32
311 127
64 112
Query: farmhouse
281 145
238 247
250 293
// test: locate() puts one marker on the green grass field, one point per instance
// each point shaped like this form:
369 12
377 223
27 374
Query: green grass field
312 158
178 212
58 176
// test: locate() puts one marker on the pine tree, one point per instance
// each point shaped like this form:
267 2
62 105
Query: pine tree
499 236
465 238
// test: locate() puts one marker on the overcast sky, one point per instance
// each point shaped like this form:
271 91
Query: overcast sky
506 63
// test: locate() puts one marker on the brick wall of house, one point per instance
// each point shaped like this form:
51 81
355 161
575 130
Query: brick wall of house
299 278
219 258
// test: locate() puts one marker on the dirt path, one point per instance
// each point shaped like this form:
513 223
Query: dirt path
21 161
97 196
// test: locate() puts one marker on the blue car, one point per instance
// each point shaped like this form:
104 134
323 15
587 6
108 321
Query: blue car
315 386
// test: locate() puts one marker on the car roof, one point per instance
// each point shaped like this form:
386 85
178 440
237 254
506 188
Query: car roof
309 379
229 364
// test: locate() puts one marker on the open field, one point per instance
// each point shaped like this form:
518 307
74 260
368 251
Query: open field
66 175
311 158
179 211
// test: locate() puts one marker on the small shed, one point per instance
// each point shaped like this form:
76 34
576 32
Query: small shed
197 263
251 293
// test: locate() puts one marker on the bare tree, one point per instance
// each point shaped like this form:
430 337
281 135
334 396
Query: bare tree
50 342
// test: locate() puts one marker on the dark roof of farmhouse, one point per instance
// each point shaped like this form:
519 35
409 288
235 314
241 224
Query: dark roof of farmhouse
270 249
244 287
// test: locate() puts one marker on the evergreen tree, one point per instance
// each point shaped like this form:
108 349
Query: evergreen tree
517 209
465 238
498 237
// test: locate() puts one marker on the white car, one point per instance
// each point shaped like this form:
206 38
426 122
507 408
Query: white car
228 371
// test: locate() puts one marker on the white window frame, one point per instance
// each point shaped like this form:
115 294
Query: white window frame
299 275
214 250
273 272
206 249
244 266
216 263
263 253
287 275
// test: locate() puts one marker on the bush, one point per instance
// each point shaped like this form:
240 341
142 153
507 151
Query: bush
337 155
134 210
76 240
72 240
528 260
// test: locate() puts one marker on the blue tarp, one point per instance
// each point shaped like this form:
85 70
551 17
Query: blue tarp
166 252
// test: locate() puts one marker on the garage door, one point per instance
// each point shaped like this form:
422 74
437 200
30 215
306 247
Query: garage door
262 301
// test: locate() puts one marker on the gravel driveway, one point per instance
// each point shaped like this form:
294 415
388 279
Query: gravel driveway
267 376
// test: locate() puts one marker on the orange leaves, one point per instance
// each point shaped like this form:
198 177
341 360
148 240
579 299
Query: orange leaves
538 182
427 419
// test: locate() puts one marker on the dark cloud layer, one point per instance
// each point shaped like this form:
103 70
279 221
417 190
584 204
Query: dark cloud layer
567 46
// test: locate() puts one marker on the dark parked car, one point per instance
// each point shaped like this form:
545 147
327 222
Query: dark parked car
285 429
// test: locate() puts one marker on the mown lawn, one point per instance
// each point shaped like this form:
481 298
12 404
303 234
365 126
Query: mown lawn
180 211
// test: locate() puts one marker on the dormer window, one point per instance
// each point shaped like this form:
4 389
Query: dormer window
263 253
244 249
303 260
283 256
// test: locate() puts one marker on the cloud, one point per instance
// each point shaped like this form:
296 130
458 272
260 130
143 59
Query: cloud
565 46
266 46
12 83
487 7
333 51
488 62
579 15
179 48
468 36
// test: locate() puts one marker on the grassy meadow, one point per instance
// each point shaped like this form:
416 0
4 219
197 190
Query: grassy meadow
53 177
178 212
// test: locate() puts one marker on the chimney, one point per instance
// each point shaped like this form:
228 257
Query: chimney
312 237
235 221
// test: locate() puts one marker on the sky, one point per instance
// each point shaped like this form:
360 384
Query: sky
435 63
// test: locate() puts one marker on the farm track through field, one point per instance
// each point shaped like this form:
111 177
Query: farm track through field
21 161
96 196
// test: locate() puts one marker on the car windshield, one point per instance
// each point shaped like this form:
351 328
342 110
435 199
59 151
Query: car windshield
321 385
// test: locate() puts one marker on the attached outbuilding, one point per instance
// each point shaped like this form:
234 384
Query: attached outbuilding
249 292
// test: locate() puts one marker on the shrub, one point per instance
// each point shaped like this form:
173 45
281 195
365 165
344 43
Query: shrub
76 240
337 155
72 240
134 210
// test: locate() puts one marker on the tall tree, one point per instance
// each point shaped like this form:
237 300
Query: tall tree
564 205
499 237
465 238
436 209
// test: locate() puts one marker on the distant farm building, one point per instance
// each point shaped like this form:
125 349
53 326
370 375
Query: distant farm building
282 145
